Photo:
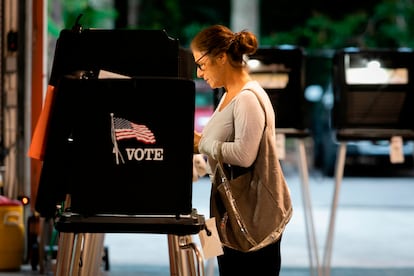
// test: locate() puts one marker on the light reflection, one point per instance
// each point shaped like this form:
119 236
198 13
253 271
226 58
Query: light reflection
374 73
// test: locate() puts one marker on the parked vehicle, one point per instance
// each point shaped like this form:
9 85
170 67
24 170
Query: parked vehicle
204 104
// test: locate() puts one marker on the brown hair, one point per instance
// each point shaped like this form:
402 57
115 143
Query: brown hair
218 39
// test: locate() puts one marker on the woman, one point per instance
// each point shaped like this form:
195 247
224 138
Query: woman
236 128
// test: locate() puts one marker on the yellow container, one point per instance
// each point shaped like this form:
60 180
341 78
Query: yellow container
11 237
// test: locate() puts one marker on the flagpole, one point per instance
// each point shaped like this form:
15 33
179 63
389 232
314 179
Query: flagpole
114 142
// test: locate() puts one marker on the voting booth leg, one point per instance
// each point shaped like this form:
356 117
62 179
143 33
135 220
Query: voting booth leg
92 253
41 247
339 171
173 250
190 250
79 254
182 253
75 257
310 229
65 247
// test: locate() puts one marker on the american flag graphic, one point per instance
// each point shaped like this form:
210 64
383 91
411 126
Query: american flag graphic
125 129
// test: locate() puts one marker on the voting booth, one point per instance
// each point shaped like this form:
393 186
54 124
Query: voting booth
122 146
87 53
373 93
280 71
373 100
118 155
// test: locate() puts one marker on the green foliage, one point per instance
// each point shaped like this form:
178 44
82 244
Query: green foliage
159 15
389 24
388 27
93 16
177 17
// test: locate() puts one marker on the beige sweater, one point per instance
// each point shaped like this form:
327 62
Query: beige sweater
238 130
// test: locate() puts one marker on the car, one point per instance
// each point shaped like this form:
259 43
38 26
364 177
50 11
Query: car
376 153
204 104
368 156
202 116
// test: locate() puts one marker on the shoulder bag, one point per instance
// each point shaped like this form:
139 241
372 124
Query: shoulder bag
252 210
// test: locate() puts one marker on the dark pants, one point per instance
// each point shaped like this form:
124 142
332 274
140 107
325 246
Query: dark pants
263 262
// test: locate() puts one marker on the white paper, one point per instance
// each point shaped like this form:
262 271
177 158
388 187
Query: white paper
396 150
199 166
210 244
103 74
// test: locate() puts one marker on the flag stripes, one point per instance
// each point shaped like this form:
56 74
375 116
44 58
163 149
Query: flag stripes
125 129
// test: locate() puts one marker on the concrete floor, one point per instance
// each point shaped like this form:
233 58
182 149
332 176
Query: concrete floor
373 230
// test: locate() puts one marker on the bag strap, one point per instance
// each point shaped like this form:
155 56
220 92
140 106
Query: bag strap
220 163
261 103
219 153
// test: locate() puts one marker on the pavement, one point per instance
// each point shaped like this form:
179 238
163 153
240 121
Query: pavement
373 230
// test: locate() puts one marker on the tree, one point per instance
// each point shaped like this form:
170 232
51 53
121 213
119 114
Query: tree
388 26
244 14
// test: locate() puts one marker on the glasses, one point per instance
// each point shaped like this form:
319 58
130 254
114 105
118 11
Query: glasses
201 66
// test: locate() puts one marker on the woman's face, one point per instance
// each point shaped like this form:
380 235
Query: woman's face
208 69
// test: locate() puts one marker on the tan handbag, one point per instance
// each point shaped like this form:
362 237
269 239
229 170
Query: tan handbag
252 209
232 200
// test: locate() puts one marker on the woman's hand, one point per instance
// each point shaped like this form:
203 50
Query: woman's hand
197 137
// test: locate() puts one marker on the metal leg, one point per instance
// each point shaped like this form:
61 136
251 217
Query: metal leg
175 258
339 170
91 256
76 256
182 251
307 206
99 239
79 254
187 255
190 250
200 263
63 259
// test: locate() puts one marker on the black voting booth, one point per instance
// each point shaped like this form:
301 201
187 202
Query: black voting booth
280 71
373 100
117 148
133 53
120 146
373 93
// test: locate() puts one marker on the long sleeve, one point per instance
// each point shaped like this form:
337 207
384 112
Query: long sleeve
239 126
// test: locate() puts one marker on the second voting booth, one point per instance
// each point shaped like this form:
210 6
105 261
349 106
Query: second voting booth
373 100
118 156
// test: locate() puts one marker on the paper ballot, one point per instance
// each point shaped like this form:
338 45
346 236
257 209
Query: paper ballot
103 74
210 244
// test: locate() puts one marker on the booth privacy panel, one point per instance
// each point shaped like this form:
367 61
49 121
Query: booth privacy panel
120 146
127 52
373 89
281 71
